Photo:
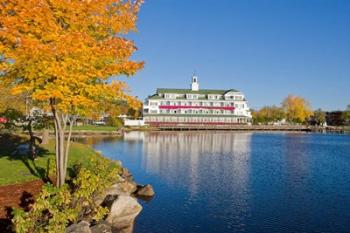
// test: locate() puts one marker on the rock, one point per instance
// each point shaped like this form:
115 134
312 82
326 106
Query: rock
127 186
145 191
81 227
129 229
108 201
126 174
101 227
123 213
122 188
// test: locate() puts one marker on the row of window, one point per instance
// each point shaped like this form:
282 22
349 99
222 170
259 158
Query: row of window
204 104
195 111
197 119
189 111
197 96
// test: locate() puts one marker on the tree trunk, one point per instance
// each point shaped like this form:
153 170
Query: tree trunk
45 137
61 144
71 122
32 147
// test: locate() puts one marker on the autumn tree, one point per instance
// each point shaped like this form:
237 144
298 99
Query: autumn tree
63 53
268 114
9 101
297 109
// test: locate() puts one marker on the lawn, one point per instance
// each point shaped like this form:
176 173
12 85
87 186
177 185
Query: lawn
17 169
95 128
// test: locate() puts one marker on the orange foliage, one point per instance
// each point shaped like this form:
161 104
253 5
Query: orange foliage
297 109
66 50
62 52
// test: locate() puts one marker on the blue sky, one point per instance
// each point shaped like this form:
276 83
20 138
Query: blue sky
265 48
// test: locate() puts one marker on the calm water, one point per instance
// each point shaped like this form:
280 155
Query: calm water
239 182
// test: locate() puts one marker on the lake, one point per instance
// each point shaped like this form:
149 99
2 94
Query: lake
238 181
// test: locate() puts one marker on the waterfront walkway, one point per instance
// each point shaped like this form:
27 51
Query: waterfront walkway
303 128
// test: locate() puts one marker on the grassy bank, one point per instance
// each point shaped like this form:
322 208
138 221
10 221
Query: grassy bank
20 168
95 128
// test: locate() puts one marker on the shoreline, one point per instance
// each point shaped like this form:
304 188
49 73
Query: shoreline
23 195
235 128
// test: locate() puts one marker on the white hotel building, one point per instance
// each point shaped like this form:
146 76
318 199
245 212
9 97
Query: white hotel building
195 107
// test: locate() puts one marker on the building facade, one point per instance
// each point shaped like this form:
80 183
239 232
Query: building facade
196 106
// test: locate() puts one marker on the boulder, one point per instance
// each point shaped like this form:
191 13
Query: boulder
126 186
122 188
101 227
81 227
144 191
108 201
123 213
126 174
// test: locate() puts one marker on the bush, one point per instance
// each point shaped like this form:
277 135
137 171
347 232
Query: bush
115 122
56 208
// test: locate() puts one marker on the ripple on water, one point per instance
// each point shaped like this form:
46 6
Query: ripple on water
239 182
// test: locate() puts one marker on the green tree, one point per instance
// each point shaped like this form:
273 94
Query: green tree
268 114
346 115
319 117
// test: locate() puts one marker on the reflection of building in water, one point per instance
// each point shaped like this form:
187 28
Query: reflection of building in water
182 156
208 170
134 136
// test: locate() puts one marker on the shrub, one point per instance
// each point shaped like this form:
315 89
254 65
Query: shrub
115 122
55 208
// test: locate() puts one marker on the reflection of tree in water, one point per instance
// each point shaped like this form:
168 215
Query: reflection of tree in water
94 140
296 154
296 162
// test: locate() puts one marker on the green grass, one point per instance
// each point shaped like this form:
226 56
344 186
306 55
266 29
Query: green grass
95 128
18 169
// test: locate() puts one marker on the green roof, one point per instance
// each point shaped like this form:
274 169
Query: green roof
189 91
155 97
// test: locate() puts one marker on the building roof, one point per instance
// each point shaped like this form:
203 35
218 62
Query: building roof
189 91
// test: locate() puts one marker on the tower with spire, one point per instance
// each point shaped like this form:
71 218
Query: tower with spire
195 84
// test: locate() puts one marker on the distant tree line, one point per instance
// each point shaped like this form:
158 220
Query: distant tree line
297 110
